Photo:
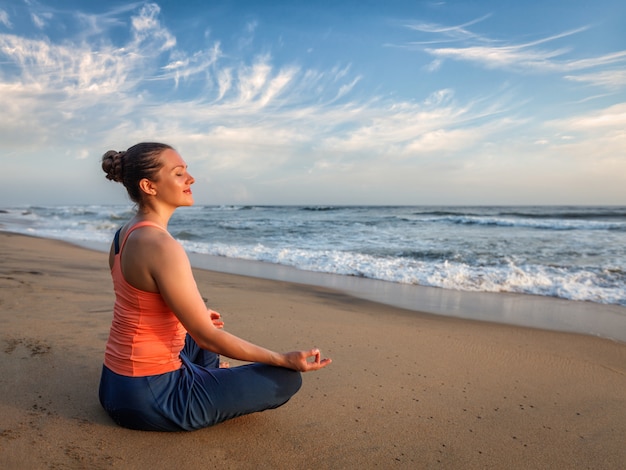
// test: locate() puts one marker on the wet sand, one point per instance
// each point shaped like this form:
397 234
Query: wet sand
405 390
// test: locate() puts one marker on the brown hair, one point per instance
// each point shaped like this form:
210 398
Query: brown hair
130 166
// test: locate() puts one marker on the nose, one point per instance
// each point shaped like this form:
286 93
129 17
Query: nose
191 179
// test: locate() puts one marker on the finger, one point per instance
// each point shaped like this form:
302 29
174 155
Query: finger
312 366
323 363
316 354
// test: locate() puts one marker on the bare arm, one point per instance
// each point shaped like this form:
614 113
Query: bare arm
171 271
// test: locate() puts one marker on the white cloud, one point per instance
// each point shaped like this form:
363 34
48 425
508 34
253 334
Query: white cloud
611 119
277 84
147 28
455 32
407 130
247 39
347 88
525 57
4 19
38 21
516 57
64 68
252 79
184 66
587 151
434 65
238 119
441 141
610 79
97 25
224 81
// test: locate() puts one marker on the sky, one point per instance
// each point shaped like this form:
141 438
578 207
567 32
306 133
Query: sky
319 102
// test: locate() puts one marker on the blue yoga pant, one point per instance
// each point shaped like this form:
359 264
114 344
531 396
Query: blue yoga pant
197 395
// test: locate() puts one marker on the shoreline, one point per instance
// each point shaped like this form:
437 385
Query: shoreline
405 390
605 321
571 316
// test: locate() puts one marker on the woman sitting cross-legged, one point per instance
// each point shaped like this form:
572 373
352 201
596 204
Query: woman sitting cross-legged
161 367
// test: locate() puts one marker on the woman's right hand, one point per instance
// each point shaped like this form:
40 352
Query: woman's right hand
305 361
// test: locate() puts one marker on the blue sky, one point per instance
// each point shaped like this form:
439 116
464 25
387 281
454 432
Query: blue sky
327 102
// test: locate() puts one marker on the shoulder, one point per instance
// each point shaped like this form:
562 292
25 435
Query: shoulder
153 247
152 239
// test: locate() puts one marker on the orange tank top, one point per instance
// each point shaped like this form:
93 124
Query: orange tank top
146 337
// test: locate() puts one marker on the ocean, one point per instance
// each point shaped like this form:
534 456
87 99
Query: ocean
465 261
574 252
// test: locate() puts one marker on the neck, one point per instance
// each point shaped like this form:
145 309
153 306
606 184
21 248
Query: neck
158 215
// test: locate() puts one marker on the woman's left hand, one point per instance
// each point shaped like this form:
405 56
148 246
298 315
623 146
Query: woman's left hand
305 361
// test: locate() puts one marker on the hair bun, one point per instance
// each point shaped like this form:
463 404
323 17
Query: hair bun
112 164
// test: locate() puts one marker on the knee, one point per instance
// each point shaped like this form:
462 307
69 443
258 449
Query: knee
296 381
289 383
293 383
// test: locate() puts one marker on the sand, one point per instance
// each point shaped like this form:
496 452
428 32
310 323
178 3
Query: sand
405 390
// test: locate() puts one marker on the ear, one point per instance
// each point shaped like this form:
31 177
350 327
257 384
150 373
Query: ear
148 187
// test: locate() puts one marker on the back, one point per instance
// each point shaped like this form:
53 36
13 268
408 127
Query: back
145 337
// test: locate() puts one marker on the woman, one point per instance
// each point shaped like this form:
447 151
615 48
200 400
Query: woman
161 367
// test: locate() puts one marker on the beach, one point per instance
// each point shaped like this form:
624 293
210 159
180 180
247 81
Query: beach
405 389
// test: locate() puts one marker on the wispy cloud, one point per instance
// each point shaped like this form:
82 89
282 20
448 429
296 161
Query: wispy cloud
81 68
521 57
4 19
513 57
610 79
527 57
612 119
434 65
455 32
147 29
183 66
38 21
594 143
237 108
247 117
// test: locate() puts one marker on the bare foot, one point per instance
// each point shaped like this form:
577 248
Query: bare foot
224 365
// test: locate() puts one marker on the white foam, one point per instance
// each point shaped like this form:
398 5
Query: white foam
582 284
572 253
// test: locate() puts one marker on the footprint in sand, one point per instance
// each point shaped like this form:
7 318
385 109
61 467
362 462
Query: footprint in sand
34 346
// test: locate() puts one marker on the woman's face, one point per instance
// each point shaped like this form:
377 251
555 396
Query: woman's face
173 183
